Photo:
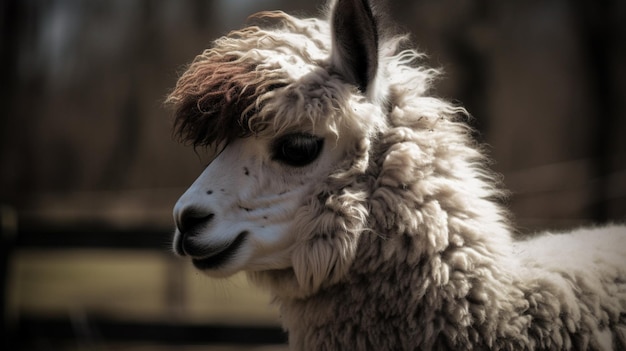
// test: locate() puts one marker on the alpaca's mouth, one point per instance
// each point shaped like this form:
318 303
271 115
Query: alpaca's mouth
219 258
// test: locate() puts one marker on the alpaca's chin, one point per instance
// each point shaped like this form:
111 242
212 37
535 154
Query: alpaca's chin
222 272
212 269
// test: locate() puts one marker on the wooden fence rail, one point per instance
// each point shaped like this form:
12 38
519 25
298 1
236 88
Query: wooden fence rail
44 332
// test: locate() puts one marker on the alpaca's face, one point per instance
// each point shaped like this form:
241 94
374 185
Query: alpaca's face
240 213
297 106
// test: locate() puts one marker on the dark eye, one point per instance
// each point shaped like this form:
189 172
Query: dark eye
297 149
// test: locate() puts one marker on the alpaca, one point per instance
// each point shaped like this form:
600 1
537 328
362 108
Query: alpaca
364 206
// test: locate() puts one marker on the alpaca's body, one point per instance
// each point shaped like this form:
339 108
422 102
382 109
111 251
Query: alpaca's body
364 206
570 301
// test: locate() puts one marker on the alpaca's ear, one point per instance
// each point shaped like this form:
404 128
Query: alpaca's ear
354 42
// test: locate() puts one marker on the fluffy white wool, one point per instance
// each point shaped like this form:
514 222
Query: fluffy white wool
404 245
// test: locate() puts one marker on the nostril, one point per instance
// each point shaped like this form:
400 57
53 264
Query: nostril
191 219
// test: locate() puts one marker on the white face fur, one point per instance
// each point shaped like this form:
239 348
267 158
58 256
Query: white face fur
240 212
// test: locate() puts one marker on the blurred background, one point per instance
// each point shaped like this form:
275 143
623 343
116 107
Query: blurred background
90 171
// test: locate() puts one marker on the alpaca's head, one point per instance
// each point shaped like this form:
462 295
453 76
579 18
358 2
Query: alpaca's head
293 110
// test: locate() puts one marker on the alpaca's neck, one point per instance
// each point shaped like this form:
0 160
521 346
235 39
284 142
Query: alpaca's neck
397 294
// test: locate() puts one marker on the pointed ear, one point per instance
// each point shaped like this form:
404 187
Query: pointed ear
355 42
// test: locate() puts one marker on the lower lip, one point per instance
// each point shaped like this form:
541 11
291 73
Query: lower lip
219 259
